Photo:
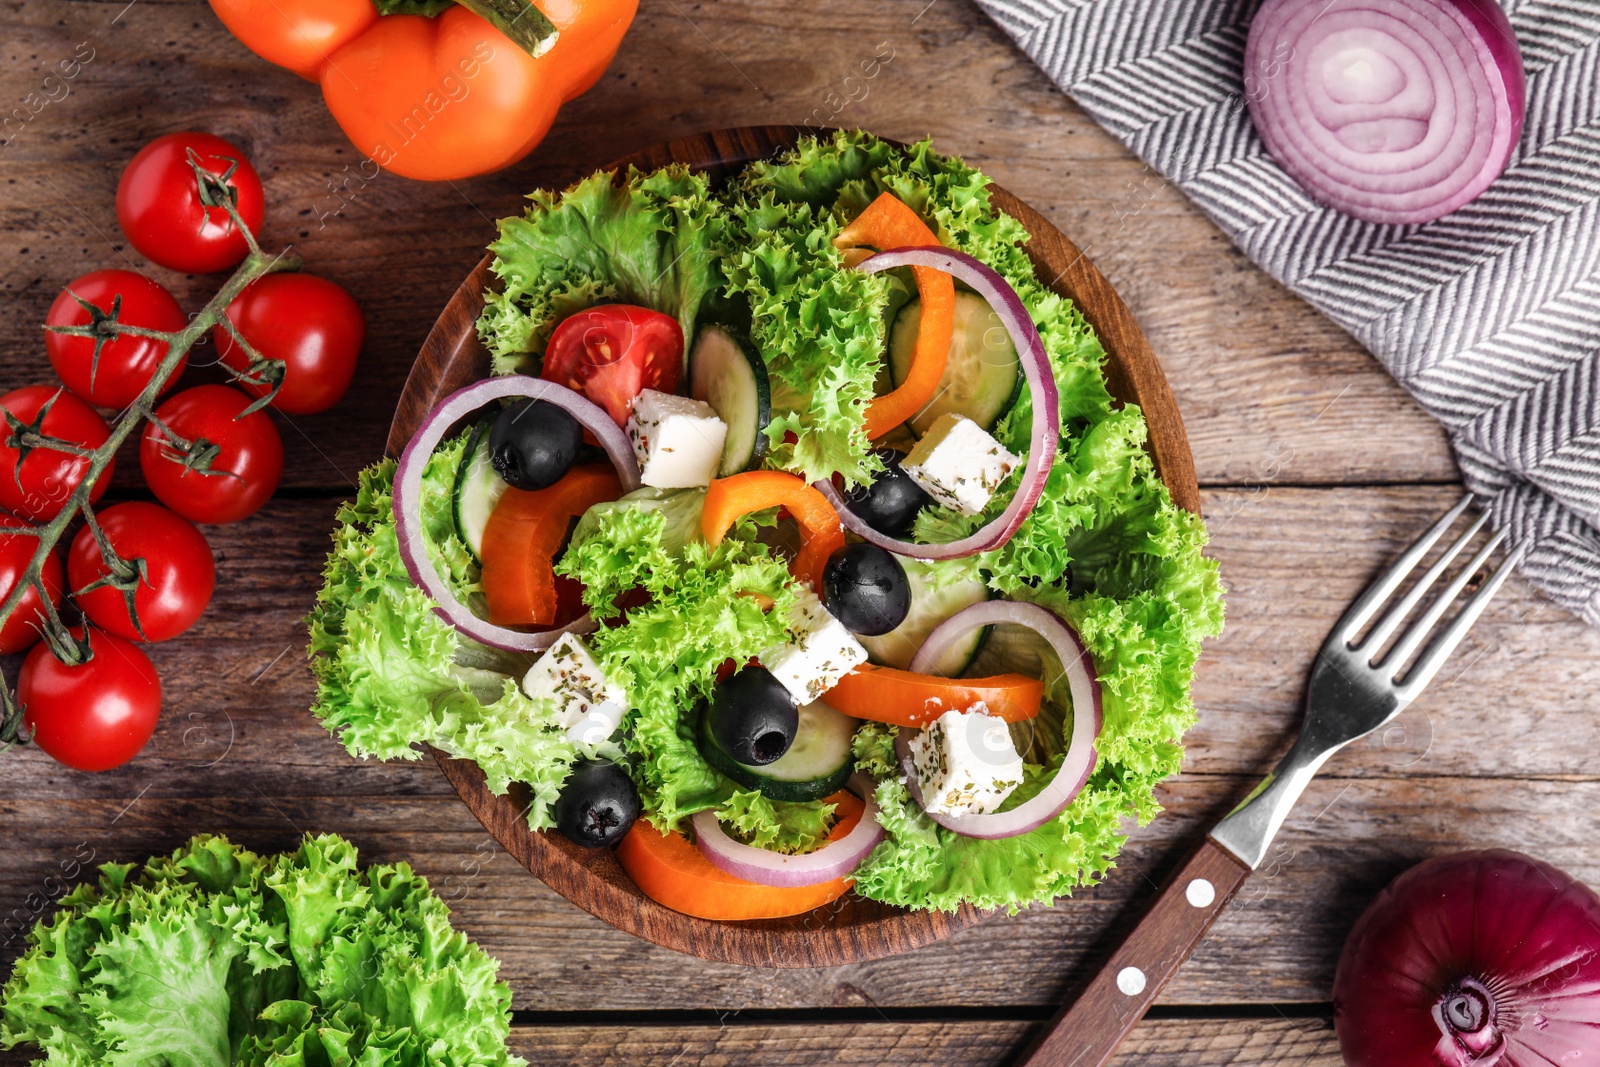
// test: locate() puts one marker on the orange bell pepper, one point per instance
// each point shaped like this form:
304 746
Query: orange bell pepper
904 698
821 535
440 97
522 537
671 871
888 223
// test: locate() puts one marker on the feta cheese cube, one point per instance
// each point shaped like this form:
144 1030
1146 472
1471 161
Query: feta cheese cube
678 440
959 464
965 762
818 653
589 705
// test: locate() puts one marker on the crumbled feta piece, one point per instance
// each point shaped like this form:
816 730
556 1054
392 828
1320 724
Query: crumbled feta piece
818 653
965 762
678 440
589 705
959 464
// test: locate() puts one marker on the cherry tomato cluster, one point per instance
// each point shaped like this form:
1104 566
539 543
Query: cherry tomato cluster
203 454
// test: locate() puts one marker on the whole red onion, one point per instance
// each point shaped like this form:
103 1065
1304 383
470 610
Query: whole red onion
1473 960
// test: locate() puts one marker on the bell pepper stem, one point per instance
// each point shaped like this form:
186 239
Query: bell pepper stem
519 20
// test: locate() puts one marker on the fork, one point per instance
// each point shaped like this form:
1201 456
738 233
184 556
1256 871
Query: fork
1355 688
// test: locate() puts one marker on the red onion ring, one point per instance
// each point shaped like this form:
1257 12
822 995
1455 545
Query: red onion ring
763 867
1046 430
1393 111
1074 771
408 497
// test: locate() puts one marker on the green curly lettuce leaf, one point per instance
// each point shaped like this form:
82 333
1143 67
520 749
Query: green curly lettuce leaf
392 675
775 825
705 606
652 239
821 327
215 956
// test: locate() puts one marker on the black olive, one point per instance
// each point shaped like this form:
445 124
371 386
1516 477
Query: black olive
865 588
890 504
752 717
533 444
597 805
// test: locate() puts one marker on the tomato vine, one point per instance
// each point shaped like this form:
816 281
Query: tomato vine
27 437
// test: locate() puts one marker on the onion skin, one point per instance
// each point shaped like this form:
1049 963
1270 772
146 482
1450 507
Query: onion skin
1393 111
1472 960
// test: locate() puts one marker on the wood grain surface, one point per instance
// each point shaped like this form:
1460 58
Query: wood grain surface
1315 469
852 928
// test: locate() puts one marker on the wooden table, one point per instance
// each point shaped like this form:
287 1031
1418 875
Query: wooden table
1315 469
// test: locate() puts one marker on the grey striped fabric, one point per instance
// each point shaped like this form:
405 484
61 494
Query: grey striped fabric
1490 316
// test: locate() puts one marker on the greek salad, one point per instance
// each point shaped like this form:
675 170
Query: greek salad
795 545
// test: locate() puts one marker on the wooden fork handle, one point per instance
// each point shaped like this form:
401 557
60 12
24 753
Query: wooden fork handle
1086 1032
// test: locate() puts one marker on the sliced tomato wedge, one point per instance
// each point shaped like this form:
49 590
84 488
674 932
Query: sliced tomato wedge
612 352
671 871
730 499
522 537
905 698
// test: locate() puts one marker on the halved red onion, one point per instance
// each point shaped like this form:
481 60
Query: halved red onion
833 860
408 496
1394 111
1046 431
1087 718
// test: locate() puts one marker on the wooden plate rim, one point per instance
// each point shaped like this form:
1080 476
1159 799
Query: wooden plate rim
852 929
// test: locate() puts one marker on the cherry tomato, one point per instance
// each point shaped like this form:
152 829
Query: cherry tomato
40 489
158 203
16 552
311 324
126 363
245 471
95 715
180 574
612 352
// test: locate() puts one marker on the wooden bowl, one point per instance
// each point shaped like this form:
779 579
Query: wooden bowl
852 928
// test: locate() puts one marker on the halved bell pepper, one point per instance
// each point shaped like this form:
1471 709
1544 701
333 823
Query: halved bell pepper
888 223
522 537
441 96
905 698
671 871
821 535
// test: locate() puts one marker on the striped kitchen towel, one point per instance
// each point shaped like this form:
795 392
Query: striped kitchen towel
1490 316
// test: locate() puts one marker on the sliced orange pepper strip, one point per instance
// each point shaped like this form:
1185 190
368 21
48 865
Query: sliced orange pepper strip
522 537
904 698
821 535
671 871
889 223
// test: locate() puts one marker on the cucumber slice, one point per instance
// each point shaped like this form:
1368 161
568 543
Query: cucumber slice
983 377
935 596
477 490
818 763
727 372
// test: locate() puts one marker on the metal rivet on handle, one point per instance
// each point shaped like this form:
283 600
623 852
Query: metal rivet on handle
1131 981
1200 893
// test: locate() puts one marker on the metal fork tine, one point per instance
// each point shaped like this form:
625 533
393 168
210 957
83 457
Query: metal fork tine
1446 642
1396 615
1381 590
1412 639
